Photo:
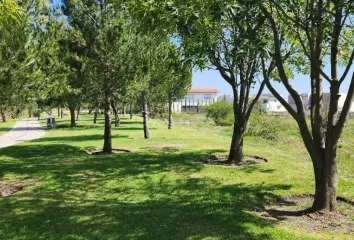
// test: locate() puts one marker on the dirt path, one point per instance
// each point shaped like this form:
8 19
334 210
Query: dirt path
24 130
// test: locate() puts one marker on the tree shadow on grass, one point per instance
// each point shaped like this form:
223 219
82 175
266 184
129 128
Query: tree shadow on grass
130 196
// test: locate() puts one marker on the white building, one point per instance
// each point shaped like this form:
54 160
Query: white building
271 104
196 97
306 98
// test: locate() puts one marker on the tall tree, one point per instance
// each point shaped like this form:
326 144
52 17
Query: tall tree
105 30
322 30
227 36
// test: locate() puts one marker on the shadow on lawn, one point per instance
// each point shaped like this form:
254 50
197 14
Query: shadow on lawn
128 196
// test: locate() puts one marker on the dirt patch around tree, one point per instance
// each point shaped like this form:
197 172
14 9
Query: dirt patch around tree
290 211
248 160
100 152
10 188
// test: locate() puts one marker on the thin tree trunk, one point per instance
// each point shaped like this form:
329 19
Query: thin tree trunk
30 113
61 112
116 115
90 111
3 116
131 111
95 117
107 145
58 112
78 113
72 117
123 110
170 113
146 116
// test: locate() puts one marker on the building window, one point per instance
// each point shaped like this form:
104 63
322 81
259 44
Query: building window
265 101
190 96
207 96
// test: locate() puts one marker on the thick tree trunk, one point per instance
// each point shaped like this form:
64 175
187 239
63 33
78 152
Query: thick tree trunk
131 111
170 119
236 149
107 145
3 116
146 116
326 176
95 117
72 117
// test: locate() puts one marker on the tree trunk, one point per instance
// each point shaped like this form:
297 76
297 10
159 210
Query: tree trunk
326 176
78 113
131 111
3 116
123 110
29 113
107 145
170 113
146 116
236 149
95 117
72 117
116 115
58 112
90 110
61 112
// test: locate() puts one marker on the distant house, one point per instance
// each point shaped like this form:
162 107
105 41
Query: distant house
202 94
306 98
195 98
271 104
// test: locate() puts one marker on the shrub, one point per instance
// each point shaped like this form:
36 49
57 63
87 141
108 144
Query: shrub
220 113
261 125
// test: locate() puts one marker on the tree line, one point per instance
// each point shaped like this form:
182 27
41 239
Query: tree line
109 52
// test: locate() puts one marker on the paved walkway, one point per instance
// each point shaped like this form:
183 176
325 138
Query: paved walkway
24 130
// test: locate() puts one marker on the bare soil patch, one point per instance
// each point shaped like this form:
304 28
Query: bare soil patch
223 160
100 152
291 211
10 188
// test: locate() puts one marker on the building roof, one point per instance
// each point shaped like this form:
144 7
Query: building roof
203 90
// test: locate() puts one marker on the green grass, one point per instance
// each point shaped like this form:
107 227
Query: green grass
6 126
160 190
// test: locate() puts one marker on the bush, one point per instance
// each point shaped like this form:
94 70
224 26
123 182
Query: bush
261 125
220 113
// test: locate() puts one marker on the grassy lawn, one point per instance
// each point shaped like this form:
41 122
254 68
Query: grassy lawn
6 126
160 190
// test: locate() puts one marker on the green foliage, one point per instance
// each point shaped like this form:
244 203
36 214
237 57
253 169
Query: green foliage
259 108
261 125
220 112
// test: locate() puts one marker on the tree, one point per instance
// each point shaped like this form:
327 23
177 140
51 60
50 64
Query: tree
227 36
20 53
177 79
105 30
320 30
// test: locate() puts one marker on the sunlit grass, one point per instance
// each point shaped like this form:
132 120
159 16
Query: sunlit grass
160 190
